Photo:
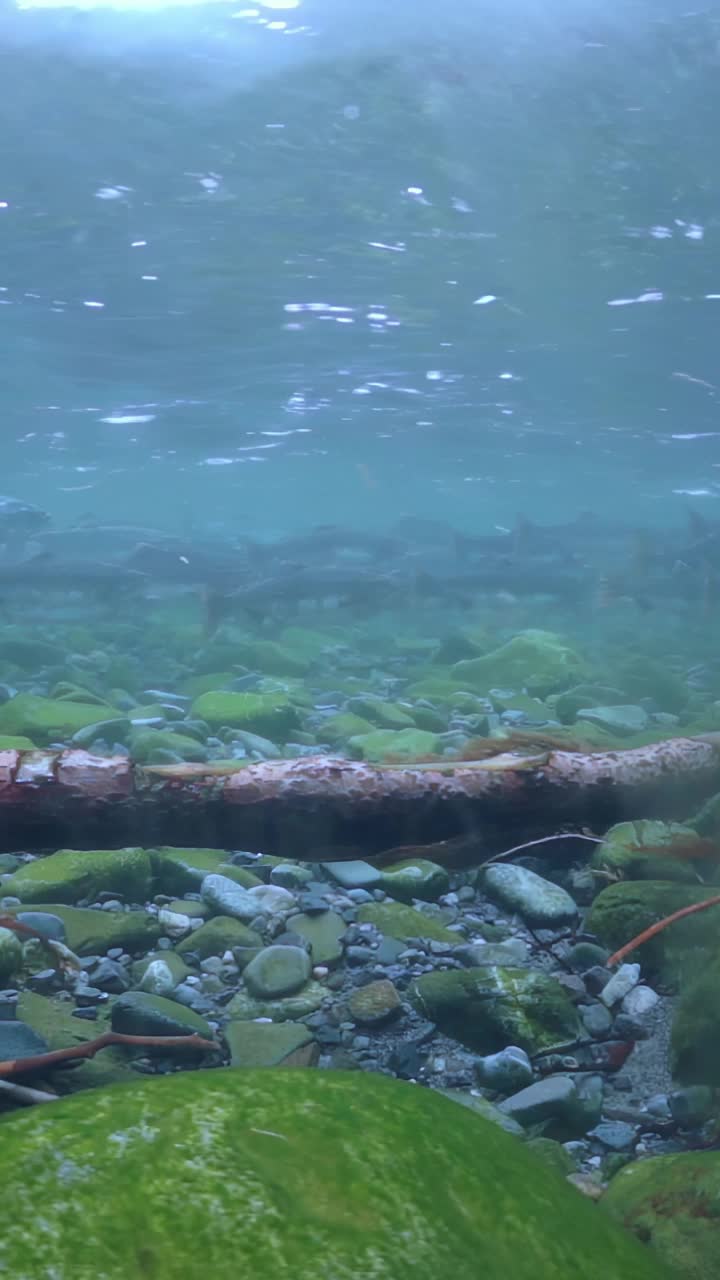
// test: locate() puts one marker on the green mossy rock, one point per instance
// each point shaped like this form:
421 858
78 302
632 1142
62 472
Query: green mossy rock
143 743
567 705
488 1008
183 870
673 1204
695 1037
174 963
243 1007
140 1013
72 874
15 742
269 1044
440 687
323 932
402 922
383 715
403 744
480 1105
263 1199
91 932
212 682
273 659
53 1020
271 714
342 727
414 878
624 910
11 954
311 644
217 936
643 677
622 851
538 661
47 719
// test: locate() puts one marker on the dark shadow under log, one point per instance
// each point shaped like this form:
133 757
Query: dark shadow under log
323 807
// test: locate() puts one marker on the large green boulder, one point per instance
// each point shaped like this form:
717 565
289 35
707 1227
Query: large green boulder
271 714
623 910
488 1008
384 715
415 878
217 936
48 719
72 874
231 1172
695 1037
183 870
652 850
90 932
538 661
392 744
272 659
644 677
403 922
53 1019
672 1203
144 743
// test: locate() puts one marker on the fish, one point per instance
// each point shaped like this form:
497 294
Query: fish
19 521
291 587
327 541
52 573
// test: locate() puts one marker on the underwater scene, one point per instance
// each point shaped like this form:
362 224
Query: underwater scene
359 617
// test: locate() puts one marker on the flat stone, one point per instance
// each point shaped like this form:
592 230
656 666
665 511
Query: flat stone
277 971
615 1134
354 875
620 985
545 1100
18 1040
639 1001
622 720
50 926
538 901
270 1044
323 932
139 1013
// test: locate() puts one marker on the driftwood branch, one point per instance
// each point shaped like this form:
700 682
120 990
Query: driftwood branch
323 807
88 1049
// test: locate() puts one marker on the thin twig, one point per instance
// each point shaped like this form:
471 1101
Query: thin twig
656 928
88 1049
559 835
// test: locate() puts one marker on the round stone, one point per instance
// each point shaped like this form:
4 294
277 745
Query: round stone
277 971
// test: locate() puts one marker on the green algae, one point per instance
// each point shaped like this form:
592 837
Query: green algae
293 1174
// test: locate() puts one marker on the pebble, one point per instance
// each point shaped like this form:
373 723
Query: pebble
277 971
639 1001
622 982
538 901
506 1071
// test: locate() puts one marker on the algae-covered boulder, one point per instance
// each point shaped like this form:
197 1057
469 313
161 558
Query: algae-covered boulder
271 714
270 1044
644 677
573 700
695 1038
11 954
403 922
538 661
624 910
272 658
217 936
72 874
386 744
53 1020
91 932
488 1008
415 878
289 1173
244 1006
48 719
144 743
672 1203
342 727
15 742
651 850
384 715
181 871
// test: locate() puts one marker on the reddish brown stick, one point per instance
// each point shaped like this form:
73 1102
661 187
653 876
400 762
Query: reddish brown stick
88 1049
658 927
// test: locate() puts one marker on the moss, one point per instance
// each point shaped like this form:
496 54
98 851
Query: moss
673 1204
538 661
415 878
218 936
341 727
180 871
178 1178
53 1020
15 742
271 714
402 922
624 910
695 1039
272 658
144 743
47 719
623 851
382 744
93 932
488 1008
72 874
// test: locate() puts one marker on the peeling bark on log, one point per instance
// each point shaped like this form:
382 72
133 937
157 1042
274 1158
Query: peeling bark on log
322 807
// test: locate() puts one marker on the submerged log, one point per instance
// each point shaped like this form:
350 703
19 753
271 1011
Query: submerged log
321 807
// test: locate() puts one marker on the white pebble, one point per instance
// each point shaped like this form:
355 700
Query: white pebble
621 983
174 924
320 971
639 1001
